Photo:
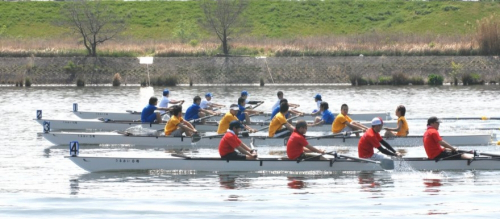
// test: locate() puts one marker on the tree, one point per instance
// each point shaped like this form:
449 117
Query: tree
223 18
94 21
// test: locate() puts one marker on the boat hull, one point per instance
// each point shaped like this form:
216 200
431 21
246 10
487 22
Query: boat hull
133 115
99 164
112 138
479 163
93 124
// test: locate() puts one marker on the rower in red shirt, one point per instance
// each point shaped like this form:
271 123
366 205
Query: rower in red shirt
433 143
372 139
297 145
230 142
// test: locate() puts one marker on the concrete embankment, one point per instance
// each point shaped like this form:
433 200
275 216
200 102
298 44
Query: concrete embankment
220 70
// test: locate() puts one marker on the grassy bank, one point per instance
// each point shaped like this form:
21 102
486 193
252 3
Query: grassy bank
274 28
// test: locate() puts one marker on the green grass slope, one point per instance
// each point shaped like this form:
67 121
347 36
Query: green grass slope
265 18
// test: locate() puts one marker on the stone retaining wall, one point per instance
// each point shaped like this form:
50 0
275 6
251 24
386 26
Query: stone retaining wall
220 70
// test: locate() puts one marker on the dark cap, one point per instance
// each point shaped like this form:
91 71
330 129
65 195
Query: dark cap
433 119
234 124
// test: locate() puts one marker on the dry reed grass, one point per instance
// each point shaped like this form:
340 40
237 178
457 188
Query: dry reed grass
368 44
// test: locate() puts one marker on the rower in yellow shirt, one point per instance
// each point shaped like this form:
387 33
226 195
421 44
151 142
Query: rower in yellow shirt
176 125
344 123
228 118
402 129
276 126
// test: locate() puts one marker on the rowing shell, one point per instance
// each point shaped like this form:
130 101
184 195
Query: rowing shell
99 164
94 124
478 163
113 138
134 115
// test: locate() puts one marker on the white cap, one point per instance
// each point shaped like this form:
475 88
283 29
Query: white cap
377 121
234 107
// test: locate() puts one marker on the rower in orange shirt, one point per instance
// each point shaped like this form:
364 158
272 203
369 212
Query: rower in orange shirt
402 128
435 147
344 123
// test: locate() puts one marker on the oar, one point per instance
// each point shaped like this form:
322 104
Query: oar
479 153
386 164
333 135
199 119
307 158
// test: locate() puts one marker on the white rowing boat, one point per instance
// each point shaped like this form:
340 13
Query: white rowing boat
94 124
114 138
136 115
478 163
99 164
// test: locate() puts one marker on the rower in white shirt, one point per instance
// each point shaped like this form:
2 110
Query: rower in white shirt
165 101
207 104
280 97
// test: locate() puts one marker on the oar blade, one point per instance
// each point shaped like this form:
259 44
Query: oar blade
387 164
195 138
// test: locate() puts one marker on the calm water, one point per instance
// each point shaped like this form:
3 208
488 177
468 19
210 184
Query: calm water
38 182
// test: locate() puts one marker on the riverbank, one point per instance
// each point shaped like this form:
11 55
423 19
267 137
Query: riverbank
245 70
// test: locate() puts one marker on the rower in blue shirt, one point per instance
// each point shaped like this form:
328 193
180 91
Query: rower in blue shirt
244 113
327 116
196 112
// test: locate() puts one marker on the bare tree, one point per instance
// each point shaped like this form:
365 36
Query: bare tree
94 21
223 18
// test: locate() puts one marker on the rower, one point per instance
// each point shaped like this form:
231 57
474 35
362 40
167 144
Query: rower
402 128
317 100
207 104
277 110
435 147
196 112
278 102
297 147
228 118
327 116
344 123
275 127
244 113
371 139
148 114
165 101
244 95
176 125
230 141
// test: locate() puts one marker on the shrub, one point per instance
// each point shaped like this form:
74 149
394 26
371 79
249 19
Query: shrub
434 79
193 43
385 80
417 81
399 79
171 80
80 82
117 80
190 82
144 83
471 79
262 82
27 81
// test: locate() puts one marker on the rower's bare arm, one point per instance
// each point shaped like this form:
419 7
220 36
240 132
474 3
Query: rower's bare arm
446 145
313 149
289 127
187 125
247 127
400 124
176 101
